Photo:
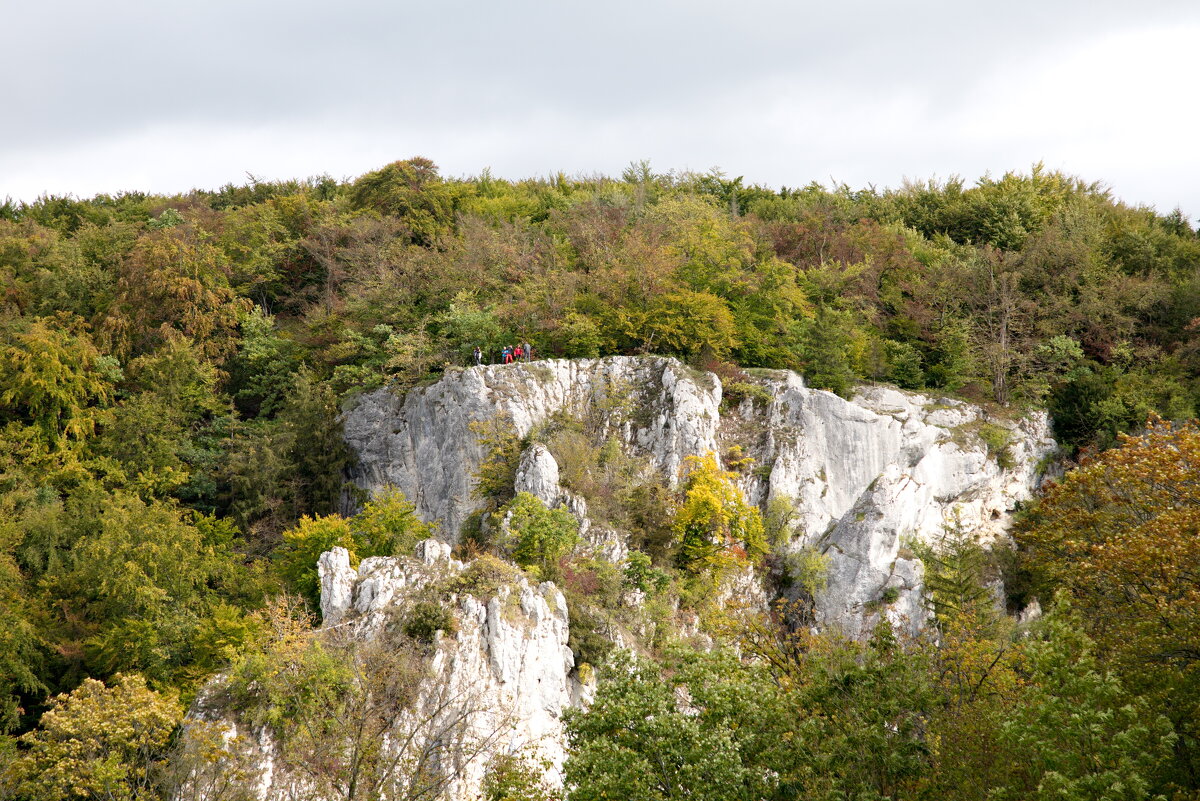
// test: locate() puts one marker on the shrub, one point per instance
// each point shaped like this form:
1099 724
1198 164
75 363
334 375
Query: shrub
998 439
425 619
539 537
735 392
483 578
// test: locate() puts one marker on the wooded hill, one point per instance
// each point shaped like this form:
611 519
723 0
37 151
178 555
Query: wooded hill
171 368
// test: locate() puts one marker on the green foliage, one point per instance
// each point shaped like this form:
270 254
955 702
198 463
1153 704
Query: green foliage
52 381
412 191
998 440
502 453
807 569
688 324
635 742
904 365
305 543
386 526
513 778
262 373
135 586
826 349
425 619
956 575
1078 735
536 536
734 392
98 742
483 577
640 573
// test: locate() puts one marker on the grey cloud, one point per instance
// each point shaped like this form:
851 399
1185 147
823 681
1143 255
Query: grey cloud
661 74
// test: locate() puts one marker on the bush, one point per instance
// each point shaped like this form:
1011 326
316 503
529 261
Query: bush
388 526
539 537
425 619
736 391
998 439
483 578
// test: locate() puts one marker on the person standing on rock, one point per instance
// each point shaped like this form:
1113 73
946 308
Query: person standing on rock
478 355
528 352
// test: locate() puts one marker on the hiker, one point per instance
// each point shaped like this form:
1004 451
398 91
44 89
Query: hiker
507 353
517 352
528 352
478 354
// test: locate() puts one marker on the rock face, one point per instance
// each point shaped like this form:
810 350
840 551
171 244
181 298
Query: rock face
862 475
860 479
497 685
425 443
866 475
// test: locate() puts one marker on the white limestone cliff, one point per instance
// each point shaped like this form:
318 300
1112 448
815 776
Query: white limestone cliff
863 475
423 443
497 685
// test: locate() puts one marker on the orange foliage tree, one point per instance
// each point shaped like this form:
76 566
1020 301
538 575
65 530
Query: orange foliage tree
1122 535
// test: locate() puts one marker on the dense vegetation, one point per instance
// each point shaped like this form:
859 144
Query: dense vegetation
171 369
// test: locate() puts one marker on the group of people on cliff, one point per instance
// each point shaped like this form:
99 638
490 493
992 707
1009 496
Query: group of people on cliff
521 352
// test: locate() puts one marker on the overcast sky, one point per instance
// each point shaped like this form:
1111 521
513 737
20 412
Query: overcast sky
163 97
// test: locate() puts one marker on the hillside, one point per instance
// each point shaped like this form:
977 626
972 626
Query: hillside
781 452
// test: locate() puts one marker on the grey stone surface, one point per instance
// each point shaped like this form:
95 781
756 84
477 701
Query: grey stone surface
863 475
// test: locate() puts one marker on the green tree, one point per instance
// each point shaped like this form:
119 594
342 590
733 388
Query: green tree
304 544
388 525
263 372
413 191
1077 735
639 740
99 742
173 284
538 537
826 350
689 324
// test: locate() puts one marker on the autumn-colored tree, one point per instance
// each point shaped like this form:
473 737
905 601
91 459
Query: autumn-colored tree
99 742
714 523
1121 535
171 285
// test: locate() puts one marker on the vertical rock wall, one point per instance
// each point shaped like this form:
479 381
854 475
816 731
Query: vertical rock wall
863 475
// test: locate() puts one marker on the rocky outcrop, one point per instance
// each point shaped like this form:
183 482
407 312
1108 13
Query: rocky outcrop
867 475
862 476
497 684
426 443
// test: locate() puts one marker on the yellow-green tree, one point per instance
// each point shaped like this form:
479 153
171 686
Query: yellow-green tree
173 285
714 525
99 742
51 381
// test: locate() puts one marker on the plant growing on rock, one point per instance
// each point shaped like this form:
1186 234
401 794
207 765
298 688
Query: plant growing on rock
386 526
536 536
714 525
